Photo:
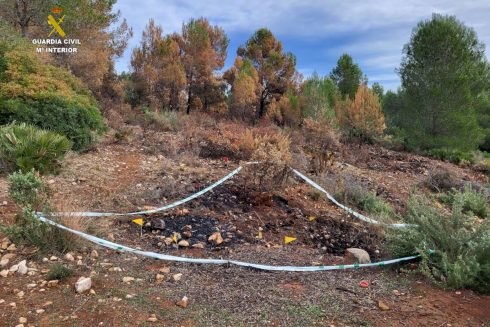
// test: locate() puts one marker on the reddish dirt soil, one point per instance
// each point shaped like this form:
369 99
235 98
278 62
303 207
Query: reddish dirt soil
122 177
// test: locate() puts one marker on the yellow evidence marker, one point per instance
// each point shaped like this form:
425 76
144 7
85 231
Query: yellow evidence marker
289 239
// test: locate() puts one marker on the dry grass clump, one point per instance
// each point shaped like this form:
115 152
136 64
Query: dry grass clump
321 141
441 180
274 159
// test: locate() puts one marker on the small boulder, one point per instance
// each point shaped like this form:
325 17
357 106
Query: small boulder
83 284
215 238
183 303
177 277
127 279
357 255
383 306
22 267
153 318
183 243
69 257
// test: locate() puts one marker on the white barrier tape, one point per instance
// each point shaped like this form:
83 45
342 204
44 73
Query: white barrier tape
349 210
166 207
118 247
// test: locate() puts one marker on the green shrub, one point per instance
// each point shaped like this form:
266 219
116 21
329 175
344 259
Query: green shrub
28 191
59 272
455 247
163 120
26 147
454 156
351 192
46 96
375 205
474 202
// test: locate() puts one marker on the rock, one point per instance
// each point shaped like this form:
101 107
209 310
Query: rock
13 304
14 268
20 294
168 241
183 303
198 245
177 277
357 255
383 306
79 263
22 320
165 270
183 243
2 301
127 279
12 247
116 269
4 262
153 318
53 283
5 245
40 311
53 258
94 254
4 273
215 238
69 257
187 233
83 284
396 292
47 304
8 256
31 285
111 237
159 278
22 267
158 223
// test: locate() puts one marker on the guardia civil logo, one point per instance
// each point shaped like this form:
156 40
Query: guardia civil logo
57 41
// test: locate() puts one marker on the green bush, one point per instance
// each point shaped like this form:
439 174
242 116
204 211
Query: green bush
26 147
46 96
58 272
454 247
163 120
29 192
351 192
454 156
474 202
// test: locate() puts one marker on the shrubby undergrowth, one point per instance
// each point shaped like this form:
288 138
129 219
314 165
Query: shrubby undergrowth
34 92
28 191
454 246
27 147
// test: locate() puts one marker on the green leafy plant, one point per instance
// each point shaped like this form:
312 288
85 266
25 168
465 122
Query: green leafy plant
454 247
46 96
163 120
26 147
59 272
29 192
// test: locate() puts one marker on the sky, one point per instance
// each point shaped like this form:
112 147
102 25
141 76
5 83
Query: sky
318 32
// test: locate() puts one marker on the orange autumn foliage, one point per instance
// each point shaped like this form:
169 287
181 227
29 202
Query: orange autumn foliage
362 115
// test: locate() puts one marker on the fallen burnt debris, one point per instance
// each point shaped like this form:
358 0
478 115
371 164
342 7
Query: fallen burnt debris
182 231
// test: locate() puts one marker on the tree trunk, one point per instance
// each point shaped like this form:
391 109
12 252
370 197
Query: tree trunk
22 16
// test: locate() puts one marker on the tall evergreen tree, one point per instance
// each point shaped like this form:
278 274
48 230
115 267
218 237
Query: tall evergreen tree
444 71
